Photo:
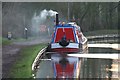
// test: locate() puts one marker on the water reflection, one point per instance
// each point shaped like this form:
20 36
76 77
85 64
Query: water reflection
97 68
103 50
105 40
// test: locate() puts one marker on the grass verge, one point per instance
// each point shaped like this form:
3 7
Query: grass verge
5 41
22 67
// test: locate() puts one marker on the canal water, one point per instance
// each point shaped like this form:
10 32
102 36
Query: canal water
90 68
97 68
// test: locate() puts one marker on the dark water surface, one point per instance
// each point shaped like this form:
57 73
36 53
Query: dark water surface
97 68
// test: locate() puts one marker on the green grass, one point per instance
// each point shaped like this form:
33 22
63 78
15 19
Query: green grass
23 39
22 67
0 40
5 41
101 32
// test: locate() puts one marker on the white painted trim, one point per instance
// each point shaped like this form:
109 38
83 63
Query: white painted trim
71 45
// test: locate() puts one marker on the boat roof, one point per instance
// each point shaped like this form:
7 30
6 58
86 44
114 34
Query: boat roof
65 25
70 24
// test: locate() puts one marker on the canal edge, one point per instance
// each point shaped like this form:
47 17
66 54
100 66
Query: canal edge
37 61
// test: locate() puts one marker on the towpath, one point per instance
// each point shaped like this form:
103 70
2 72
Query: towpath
10 53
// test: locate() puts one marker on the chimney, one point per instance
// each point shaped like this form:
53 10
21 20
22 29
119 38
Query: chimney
57 20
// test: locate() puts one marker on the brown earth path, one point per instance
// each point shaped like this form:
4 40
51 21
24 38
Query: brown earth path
10 54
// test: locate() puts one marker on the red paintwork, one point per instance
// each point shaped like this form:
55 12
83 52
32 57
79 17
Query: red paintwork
66 50
64 31
67 71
